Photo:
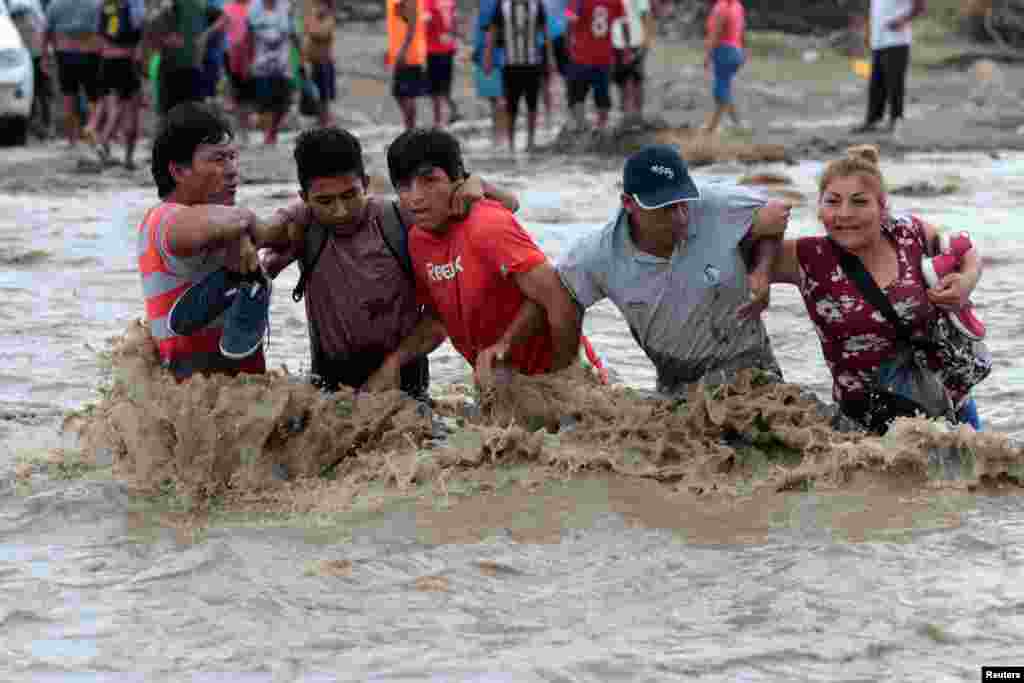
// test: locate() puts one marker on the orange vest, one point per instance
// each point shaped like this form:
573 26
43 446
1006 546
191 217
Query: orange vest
417 53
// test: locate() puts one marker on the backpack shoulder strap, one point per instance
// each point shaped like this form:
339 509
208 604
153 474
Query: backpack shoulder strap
314 241
396 234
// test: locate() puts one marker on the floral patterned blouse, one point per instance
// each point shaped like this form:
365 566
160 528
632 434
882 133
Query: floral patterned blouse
856 338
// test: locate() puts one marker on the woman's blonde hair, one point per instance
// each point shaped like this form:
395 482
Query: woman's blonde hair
860 160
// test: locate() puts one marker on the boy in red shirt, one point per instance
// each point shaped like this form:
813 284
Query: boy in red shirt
590 45
441 45
480 275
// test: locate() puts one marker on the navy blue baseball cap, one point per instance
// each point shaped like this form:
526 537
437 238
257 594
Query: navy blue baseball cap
657 176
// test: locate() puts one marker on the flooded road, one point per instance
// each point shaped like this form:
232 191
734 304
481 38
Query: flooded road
585 579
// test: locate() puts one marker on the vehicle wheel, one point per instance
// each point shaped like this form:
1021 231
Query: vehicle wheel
19 132
15 131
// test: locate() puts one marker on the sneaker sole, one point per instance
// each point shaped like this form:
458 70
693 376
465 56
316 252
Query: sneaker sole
240 356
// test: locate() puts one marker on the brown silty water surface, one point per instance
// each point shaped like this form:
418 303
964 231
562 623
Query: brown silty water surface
561 531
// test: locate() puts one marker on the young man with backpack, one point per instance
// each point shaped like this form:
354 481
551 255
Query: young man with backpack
366 328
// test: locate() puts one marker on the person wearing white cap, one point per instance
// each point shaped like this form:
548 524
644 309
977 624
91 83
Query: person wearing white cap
688 266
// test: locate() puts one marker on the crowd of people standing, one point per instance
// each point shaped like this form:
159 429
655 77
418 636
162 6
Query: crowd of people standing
258 54
521 50
101 53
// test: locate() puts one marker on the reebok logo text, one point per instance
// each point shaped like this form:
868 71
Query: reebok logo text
447 271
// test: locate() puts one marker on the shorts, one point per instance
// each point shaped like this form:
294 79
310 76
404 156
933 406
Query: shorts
325 77
240 89
209 75
583 78
271 94
561 51
726 61
79 71
409 82
488 85
177 86
522 81
633 71
440 68
120 77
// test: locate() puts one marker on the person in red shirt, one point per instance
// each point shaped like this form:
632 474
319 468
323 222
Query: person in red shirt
480 275
590 45
725 55
441 45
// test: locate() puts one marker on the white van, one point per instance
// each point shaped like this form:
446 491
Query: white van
15 82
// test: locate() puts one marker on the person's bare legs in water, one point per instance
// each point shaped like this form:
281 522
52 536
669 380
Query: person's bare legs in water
274 121
123 114
407 105
498 117
531 129
439 118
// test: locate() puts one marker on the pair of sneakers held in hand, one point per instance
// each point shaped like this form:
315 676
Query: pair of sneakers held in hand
952 247
242 297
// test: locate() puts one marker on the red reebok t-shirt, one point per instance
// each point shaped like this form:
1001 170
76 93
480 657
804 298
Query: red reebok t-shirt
592 31
440 27
464 275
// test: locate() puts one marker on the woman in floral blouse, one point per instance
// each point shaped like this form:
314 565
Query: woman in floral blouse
856 338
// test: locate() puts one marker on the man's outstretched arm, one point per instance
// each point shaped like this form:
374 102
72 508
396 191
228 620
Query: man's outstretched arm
767 229
428 334
547 304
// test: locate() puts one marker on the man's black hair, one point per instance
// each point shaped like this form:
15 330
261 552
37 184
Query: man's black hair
184 128
420 148
327 153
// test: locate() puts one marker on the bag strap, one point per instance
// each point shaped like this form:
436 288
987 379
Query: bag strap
314 241
396 235
855 270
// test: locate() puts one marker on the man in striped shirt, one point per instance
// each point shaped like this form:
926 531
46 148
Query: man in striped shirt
195 238
517 24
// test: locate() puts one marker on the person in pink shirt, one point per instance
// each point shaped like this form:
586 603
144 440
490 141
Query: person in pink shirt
236 25
725 55
442 42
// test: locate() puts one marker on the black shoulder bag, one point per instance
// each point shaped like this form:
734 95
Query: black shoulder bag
903 386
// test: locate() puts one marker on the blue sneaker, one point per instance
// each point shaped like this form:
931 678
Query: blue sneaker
203 302
246 322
